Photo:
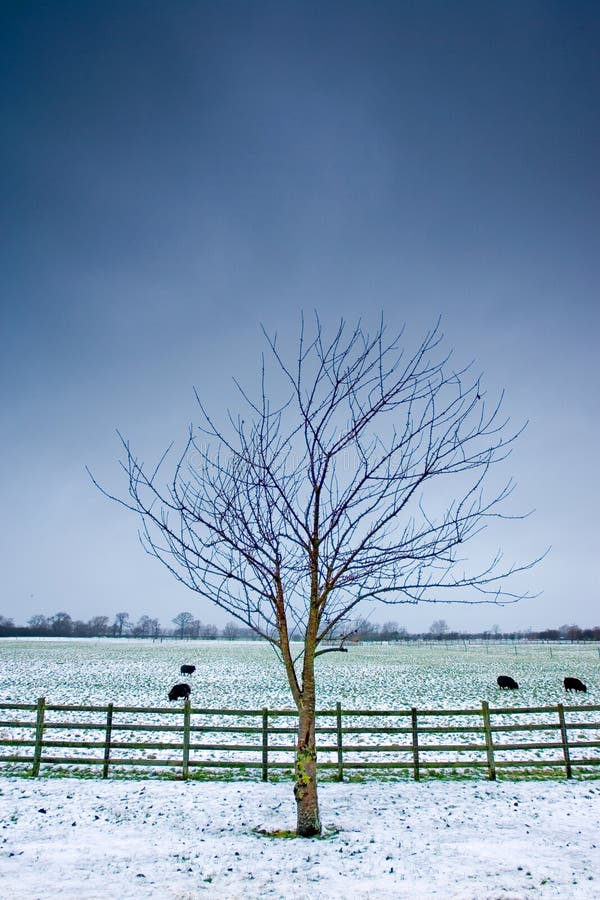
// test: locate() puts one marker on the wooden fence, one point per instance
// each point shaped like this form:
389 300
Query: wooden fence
528 740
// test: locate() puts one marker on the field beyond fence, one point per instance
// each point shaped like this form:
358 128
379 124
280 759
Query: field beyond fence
189 742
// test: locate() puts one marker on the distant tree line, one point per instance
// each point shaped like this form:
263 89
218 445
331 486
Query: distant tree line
61 624
186 626
439 631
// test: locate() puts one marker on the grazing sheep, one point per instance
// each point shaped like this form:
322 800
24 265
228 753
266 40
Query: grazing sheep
180 691
574 684
505 681
187 670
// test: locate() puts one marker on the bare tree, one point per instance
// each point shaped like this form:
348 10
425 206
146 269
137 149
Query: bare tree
391 631
98 625
39 623
231 631
121 623
143 627
61 624
439 628
184 622
208 632
292 515
6 624
362 630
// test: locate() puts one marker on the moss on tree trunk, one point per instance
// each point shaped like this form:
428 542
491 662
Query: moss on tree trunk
305 787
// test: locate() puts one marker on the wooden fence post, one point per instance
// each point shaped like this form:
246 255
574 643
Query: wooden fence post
107 738
39 733
265 744
489 746
186 739
415 743
340 758
565 740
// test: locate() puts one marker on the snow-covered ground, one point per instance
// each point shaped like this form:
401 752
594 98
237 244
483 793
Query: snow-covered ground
127 839
246 674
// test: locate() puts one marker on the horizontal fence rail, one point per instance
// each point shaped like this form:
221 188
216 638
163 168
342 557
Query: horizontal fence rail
187 740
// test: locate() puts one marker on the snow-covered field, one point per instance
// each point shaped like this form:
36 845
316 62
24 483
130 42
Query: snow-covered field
248 675
77 838
89 838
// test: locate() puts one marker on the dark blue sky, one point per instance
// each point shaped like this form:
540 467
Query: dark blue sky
175 174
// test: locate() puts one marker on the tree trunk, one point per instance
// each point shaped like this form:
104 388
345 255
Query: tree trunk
305 788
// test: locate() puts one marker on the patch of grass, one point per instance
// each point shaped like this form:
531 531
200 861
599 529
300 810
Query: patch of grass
238 773
285 834
275 833
284 776
51 772
279 776
442 774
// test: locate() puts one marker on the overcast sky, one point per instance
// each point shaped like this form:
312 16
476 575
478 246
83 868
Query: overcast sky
177 173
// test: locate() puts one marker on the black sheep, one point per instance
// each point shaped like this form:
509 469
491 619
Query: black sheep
505 681
187 670
180 691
